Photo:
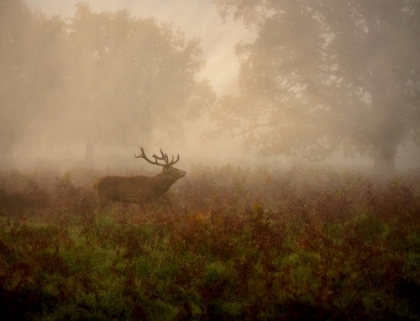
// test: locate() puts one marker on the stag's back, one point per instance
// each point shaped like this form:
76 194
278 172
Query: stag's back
131 189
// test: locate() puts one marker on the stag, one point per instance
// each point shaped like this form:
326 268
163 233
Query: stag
139 189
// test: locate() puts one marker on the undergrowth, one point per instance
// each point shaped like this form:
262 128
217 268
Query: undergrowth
223 244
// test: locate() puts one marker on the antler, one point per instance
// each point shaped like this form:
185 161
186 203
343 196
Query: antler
164 158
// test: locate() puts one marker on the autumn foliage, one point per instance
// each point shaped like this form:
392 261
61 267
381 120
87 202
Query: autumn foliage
223 244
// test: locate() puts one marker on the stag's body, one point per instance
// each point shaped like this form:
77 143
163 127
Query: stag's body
138 189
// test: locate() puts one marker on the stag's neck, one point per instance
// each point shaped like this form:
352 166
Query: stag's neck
161 183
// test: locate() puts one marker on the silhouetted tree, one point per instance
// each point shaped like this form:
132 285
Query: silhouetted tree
325 76
30 53
130 76
97 78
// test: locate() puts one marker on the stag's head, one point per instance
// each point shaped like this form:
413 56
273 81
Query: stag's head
169 172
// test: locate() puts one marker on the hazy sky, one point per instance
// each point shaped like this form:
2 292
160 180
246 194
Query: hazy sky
197 18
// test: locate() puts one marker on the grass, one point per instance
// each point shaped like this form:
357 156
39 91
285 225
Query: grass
224 244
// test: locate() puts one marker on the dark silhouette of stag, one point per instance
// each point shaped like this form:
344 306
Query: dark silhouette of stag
139 189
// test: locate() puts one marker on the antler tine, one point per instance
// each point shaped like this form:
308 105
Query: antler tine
174 162
164 155
164 158
143 155
160 157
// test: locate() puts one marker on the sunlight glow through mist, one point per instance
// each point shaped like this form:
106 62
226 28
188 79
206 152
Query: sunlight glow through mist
197 19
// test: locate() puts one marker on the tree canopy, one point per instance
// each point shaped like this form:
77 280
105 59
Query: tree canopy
133 75
326 76
30 47
102 77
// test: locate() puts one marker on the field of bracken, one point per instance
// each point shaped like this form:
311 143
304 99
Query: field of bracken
224 244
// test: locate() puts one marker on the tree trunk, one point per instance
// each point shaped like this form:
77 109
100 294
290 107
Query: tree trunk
89 152
384 160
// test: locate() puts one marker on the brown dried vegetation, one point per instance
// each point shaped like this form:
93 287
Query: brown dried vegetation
300 244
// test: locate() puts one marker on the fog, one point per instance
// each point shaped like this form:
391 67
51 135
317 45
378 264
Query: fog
197 19
86 83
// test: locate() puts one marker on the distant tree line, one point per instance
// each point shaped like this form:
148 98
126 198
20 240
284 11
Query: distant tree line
327 76
96 78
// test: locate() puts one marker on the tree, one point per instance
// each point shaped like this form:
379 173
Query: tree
130 76
325 76
97 78
28 70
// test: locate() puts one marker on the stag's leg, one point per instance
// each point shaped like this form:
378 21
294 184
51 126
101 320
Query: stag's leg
103 201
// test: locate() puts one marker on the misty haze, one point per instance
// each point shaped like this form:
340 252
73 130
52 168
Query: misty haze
85 83
210 159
